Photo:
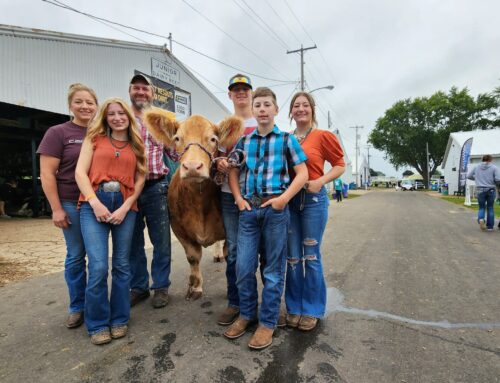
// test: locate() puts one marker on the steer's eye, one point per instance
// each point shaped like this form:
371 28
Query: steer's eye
214 140
177 139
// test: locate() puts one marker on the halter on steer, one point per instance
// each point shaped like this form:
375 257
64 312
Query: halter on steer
235 159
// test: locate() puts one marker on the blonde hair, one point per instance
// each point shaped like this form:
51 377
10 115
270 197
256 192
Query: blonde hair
99 127
311 101
264 92
76 87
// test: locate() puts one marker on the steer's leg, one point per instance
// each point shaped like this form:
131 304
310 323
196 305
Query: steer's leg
218 251
195 286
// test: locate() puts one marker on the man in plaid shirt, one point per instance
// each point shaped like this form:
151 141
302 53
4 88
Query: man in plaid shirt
153 210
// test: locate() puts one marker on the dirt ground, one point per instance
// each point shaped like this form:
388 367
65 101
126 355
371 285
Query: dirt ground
29 247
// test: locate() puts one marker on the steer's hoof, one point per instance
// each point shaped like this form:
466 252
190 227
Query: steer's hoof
193 294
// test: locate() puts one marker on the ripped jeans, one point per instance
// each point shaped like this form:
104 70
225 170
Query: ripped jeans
305 292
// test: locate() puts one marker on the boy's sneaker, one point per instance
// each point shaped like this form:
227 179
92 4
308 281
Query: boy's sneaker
489 229
482 224
5 216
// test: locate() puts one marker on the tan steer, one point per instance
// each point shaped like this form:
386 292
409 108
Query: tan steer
193 198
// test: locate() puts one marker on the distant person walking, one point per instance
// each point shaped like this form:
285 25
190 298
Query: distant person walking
337 184
59 151
487 176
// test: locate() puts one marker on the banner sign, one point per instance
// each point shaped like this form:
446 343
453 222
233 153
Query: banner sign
464 162
168 97
165 72
182 104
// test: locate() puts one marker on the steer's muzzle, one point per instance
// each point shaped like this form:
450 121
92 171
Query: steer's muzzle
195 170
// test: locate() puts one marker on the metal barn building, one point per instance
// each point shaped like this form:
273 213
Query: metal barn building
37 68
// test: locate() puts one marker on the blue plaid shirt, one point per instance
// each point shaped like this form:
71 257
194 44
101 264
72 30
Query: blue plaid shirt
265 171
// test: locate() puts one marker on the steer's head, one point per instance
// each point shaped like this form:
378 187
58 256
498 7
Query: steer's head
196 139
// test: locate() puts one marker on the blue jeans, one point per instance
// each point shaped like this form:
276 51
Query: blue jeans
101 313
75 268
264 230
305 292
153 211
486 199
230 217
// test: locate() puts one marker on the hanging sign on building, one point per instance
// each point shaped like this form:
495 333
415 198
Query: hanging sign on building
165 72
182 104
168 97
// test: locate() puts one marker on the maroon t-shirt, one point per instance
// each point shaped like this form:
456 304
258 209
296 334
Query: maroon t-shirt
64 142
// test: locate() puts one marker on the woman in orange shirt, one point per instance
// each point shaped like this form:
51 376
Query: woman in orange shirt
305 293
110 174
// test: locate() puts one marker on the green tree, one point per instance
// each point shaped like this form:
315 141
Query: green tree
407 173
405 128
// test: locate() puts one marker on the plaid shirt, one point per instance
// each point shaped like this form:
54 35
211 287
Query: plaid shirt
265 171
154 152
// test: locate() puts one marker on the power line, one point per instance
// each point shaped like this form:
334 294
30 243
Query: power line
310 37
232 38
96 18
274 35
283 22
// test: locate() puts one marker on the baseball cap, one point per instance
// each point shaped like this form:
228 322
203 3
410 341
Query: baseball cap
141 77
239 79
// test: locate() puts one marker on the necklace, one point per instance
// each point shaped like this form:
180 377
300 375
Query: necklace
117 147
302 137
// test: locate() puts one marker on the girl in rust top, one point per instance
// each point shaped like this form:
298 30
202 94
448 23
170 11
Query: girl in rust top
110 174
305 293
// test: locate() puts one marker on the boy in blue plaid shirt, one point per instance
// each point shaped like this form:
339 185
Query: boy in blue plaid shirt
266 188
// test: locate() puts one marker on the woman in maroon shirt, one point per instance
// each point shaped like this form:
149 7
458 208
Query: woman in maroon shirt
59 151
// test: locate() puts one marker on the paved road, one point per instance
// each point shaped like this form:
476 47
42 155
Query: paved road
414 296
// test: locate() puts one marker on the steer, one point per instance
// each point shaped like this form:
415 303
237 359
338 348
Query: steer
193 197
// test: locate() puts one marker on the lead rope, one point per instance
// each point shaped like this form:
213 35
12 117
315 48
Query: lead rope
235 159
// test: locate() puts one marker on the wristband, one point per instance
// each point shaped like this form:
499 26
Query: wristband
89 197
236 200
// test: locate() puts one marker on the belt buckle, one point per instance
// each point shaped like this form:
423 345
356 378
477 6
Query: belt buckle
110 186
255 201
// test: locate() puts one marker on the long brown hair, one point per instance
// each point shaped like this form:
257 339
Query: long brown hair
99 127
311 101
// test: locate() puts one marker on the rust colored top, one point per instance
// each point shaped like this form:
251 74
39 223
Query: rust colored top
321 146
107 165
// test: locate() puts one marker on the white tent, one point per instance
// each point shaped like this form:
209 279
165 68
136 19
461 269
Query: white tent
483 142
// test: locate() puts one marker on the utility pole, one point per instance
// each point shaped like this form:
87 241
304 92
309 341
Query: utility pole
301 50
428 171
357 150
170 40
329 121
368 147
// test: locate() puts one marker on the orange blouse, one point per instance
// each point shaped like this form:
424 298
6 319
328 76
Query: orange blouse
321 146
108 166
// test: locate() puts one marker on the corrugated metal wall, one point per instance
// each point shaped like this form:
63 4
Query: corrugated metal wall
38 66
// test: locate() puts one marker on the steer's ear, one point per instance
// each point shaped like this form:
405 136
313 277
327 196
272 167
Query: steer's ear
229 131
161 124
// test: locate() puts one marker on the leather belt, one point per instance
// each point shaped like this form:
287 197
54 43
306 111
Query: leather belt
256 200
110 186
